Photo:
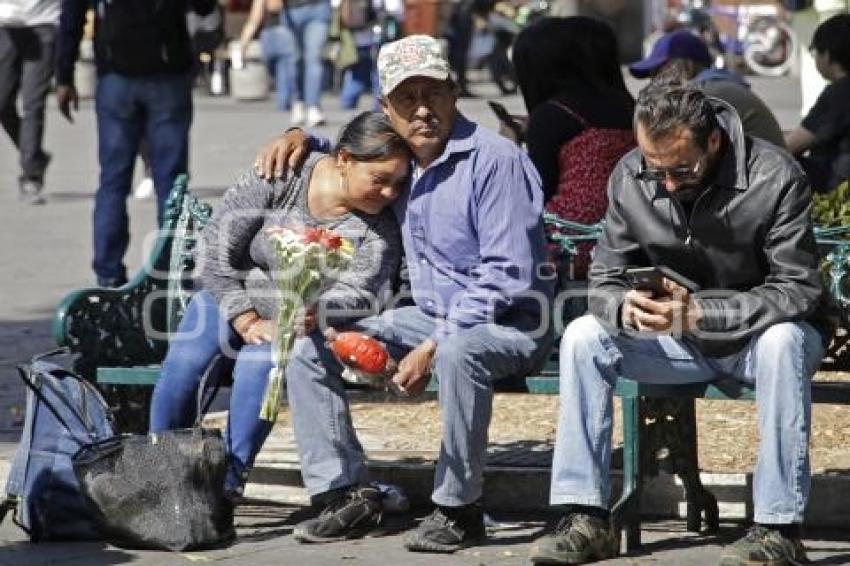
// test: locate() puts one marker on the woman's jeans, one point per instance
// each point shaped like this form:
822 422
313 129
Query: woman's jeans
780 363
279 53
309 24
205 342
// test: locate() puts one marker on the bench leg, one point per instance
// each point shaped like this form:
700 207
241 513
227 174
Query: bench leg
625 515
699 499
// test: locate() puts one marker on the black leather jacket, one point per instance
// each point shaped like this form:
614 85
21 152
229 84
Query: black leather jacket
748 242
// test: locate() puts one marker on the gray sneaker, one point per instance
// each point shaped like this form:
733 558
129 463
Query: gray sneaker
353 513
576 539
764 547
29 190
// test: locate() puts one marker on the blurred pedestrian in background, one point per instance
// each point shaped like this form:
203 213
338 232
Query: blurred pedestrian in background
27 39
144 62
681 55
366 25
825 131
277 42
579 116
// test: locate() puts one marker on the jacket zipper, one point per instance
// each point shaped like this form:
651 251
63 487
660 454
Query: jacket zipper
689 233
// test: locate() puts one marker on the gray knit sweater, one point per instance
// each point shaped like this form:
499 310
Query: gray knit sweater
238 257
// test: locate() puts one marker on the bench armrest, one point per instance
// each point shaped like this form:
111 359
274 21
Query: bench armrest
113 327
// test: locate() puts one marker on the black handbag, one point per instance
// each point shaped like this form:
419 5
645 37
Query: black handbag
160 490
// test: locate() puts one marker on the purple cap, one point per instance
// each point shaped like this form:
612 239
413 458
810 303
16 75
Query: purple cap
680 44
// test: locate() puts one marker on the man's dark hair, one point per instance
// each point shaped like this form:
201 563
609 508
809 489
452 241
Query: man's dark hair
833 37
664 106
370 137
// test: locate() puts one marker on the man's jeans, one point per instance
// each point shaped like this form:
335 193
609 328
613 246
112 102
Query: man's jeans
26 65
157 108
205 342
466 365
310 25
780 363
279 53
362 77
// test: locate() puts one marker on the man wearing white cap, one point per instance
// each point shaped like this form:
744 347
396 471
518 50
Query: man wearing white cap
471 220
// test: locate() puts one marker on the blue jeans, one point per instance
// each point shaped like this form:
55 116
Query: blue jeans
205 342
780 363
362 77
310 25
466 365
279 53
157 108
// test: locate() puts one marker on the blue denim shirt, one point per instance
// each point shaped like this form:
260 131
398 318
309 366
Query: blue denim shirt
472 229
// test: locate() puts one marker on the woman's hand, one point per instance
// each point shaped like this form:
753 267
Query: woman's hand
282 154
262 331
252 328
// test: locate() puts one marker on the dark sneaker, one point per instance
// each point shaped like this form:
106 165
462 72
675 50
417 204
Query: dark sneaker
448 529
354 513
576 539
30 190
764 547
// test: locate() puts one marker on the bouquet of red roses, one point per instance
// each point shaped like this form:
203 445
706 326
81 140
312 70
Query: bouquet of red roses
307 263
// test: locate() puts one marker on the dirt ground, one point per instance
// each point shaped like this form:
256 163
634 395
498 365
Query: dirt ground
727 430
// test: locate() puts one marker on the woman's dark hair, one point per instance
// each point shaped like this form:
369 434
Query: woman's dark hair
370 137
833 37
555 53
662 107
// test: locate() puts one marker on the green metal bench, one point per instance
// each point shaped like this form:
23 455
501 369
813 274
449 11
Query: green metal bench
659 421
120 335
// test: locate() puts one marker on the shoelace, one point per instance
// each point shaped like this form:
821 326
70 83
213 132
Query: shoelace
341 502
564 524
756 533
441 518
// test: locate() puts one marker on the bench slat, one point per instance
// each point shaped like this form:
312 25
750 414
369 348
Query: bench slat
837 392
137 375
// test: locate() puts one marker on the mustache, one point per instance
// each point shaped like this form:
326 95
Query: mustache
429 124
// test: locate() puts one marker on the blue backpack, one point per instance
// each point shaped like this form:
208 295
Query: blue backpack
64 413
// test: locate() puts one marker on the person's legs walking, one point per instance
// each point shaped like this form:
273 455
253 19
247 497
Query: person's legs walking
120 126
10 78
312 23
37 71
278 47
356 79
167 102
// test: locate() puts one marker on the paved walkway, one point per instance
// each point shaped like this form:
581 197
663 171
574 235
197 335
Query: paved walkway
264 539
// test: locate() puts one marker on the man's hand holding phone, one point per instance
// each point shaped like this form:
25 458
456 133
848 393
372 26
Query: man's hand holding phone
659 305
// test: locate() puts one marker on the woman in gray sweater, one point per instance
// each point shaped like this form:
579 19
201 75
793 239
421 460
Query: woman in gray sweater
229 325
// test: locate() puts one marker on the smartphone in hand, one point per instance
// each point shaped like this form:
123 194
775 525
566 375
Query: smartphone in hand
651 279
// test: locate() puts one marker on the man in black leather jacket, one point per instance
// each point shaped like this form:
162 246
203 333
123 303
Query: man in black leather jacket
731 214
